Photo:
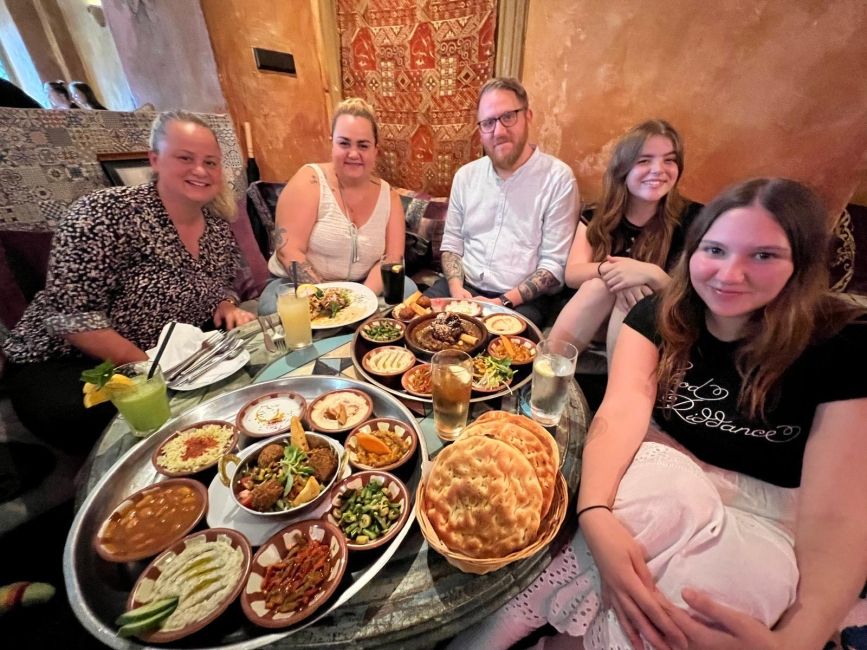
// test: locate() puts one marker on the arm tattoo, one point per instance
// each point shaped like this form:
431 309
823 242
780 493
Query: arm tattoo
541 281
453 266
306 272
279 238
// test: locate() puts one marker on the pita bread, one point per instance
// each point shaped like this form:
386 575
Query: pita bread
533 449
531 425
483 498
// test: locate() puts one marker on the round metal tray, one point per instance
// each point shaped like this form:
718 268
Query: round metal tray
98 589
360 346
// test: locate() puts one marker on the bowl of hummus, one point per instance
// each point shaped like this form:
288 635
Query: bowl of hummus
195 448
507 324
271 414
339 411
205 571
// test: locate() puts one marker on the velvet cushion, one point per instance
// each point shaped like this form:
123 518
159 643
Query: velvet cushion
23 268
425 217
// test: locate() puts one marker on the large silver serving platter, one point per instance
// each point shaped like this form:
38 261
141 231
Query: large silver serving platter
98 590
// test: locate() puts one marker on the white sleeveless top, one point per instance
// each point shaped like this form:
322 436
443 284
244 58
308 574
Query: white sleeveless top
338 249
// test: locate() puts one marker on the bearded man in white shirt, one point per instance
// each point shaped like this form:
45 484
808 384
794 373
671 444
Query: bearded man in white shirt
512 214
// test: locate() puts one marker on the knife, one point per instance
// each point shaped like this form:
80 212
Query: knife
208 344
220 346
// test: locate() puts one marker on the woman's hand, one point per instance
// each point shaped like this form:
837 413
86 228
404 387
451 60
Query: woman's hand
626 299
231 316
731 630
627 583
621 273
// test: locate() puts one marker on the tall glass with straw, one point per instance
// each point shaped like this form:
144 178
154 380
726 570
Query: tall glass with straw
294 314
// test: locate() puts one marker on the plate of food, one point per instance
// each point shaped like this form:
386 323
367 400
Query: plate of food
427 335
338 411
491 374
369 508
335 304
519 350
414 306
195 449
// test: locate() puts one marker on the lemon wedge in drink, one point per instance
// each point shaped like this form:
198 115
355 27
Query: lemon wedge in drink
543 367
94 395
305 290
397 268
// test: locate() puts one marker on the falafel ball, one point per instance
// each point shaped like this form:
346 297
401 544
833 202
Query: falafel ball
265 495
323 462
270 454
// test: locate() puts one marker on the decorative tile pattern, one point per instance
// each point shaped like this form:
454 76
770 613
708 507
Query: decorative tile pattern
421 65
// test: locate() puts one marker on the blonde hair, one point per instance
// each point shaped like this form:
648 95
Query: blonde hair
505 83
223 205
359 108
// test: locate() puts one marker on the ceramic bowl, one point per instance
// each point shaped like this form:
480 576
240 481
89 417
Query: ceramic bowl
467 307
234 483
364 330
321 412
510 324
137 515
418 326
406 433
410 376
273 551
270 414
394 489
198 450
497 350
388 361
233 568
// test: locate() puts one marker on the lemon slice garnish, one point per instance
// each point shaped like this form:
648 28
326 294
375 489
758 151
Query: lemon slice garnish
305 290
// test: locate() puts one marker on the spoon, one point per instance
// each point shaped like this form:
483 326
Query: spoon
229 354
208 344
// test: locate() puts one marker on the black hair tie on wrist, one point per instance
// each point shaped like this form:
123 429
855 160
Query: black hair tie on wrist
599 505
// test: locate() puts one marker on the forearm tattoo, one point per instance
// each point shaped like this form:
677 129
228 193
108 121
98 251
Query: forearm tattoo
540 282
306 273
453 266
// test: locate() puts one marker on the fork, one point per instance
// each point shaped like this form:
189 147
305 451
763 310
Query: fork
269 342
280 341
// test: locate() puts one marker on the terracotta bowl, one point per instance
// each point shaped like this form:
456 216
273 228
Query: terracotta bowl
235 487
194 444
406 382
159 537
402 429
498 351
467 307
515 322
394 489
273 551
363 330
318 423
271 405
150 576
425 353
394 353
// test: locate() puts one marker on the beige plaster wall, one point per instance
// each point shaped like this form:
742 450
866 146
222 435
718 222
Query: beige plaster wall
761 87
98 54
166 54
288 115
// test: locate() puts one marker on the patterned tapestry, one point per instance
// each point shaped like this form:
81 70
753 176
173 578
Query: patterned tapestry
421 64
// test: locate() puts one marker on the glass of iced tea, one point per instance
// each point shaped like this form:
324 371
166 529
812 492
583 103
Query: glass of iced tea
452 379
294 314
552 370
392 269
144 404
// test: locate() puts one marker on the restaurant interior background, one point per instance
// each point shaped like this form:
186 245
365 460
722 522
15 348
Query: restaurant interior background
756 87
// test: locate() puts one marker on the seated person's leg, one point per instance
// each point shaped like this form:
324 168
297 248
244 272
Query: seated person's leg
409 287
532 311
268 298
584 314
47 398
440 289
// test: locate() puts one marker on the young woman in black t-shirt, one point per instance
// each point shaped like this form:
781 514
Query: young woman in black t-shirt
721 502
621 255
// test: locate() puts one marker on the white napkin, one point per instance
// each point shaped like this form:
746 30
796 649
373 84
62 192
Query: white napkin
187 340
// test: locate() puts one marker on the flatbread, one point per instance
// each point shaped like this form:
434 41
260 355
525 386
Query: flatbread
531 425
533 449
483 498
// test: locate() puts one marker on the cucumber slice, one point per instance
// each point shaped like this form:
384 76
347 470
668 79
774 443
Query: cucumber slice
144 625
150 610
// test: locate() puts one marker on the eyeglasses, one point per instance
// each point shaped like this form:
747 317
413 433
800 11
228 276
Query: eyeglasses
507 119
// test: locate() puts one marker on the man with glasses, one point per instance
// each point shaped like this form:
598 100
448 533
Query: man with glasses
512 214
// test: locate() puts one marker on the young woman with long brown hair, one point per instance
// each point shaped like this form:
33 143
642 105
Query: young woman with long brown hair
713 511
623 253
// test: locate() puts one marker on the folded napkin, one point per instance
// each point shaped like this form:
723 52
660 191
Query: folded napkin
187 340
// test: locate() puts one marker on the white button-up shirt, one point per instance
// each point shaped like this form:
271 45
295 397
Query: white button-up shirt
506 229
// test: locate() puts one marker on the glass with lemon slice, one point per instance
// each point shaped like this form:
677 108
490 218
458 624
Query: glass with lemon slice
392 269
142 401
552 369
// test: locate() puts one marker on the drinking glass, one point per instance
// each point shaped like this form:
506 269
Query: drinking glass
295 315
145 404
552 369
392 269
452 379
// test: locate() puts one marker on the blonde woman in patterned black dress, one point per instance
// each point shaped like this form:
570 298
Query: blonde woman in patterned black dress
124 262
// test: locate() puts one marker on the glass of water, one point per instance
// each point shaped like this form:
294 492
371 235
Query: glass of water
552 369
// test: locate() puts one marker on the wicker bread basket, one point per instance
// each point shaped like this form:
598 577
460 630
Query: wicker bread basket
548 528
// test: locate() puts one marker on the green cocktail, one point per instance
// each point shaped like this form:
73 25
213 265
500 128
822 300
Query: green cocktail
144 404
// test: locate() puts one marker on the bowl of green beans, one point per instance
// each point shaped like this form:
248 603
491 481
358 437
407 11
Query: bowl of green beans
369 508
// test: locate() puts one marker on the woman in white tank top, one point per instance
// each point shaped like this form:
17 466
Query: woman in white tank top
336 219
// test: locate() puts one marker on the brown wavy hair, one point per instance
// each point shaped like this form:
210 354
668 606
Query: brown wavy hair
655 239
777 334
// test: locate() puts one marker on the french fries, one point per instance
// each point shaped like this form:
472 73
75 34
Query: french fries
469 339
412 299
298 437
508 347
421 311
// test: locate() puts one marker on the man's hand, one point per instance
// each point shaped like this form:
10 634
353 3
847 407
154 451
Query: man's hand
231 316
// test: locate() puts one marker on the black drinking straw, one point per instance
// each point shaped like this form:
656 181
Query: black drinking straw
156 362
295 276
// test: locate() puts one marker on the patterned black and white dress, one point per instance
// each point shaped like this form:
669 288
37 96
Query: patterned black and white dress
117 262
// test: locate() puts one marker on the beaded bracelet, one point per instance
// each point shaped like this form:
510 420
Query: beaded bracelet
599 505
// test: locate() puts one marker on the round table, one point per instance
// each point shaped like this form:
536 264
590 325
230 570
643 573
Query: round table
417 599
